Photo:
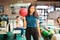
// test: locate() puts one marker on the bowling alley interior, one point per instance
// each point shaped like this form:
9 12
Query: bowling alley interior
29 19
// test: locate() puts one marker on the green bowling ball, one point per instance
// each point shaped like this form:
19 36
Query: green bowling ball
45 33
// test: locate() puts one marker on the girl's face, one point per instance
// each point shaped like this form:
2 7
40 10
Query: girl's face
32 9
59 20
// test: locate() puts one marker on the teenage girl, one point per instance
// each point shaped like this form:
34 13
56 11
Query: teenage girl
32 23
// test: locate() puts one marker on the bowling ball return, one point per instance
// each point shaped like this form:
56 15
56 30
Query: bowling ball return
47 34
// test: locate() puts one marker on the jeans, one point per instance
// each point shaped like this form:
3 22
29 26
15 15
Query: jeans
22 30
31 32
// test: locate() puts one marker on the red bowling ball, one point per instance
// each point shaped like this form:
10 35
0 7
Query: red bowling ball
23 12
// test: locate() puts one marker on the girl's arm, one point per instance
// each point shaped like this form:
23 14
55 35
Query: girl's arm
38 28
24 22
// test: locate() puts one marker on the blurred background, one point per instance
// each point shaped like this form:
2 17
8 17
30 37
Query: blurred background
48 10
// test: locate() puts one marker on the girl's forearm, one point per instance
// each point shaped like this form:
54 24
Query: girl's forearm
24 22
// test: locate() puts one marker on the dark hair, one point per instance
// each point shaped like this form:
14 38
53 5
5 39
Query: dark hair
35 14
57 19
17 17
